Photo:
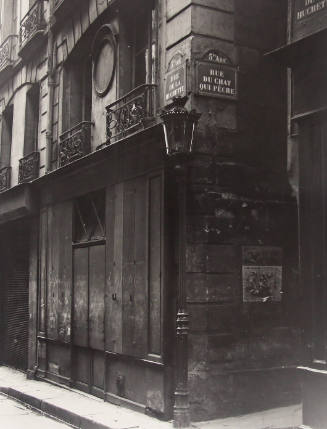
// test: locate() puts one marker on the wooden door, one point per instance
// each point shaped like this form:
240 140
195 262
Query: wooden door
313 234
89 297
135 294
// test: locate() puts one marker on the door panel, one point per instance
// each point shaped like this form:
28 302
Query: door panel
134 269
80 320
313 230
96 291
114 228
155 291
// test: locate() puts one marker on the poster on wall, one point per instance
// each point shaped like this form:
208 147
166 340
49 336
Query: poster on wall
262 274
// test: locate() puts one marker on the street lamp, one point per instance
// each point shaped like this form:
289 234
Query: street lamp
179 128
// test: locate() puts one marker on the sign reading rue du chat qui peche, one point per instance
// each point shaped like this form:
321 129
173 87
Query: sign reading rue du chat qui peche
216 76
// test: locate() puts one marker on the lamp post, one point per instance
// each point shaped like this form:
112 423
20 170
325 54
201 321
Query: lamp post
179 129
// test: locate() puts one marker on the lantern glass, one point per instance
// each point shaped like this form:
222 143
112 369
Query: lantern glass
179 132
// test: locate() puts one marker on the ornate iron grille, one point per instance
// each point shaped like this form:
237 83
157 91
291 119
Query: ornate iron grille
32 22
75 143
130 113
5 178
7 51
29 167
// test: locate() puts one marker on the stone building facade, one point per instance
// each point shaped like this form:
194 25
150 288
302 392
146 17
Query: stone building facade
164 283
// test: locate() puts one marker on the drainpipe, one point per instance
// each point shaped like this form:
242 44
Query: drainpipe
51 84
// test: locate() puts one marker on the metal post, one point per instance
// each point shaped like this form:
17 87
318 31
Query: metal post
181 405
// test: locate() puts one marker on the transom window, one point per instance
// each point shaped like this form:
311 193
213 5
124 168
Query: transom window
89 217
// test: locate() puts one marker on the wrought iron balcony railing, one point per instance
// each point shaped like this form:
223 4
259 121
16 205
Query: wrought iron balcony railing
5 178
131 112
32 23
8 51
75 143
29 167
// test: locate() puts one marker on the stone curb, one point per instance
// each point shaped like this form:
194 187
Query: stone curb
61 414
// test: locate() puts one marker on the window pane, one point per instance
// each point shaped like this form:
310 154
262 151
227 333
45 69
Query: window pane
140 69
89 217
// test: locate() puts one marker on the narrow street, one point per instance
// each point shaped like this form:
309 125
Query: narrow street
14 415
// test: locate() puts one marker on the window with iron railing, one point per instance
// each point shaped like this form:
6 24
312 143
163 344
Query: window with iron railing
32 23
130 113
8 52
5 149
136 106
75 141
137 44
30 163
9 22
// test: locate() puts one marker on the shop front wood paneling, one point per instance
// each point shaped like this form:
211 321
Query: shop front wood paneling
114 228
155 265
134 280
59 271
43 270
140 298
133 319
96 294
115 284
80 319
53 277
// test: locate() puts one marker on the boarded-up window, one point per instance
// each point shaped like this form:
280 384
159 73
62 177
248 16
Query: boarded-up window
89 217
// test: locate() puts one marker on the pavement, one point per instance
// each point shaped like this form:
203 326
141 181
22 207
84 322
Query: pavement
83 411
14 415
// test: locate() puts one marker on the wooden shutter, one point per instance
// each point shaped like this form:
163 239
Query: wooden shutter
17 301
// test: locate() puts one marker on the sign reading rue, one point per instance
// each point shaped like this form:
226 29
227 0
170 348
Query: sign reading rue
216 76
175 85
309 16
307 8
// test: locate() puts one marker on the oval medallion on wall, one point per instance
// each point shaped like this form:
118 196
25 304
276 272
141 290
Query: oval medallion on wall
104 60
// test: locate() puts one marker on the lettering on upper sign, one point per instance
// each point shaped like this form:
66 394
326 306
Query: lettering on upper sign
175 83
216 80
310 8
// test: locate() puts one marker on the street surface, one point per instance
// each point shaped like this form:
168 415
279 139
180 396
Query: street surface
14 415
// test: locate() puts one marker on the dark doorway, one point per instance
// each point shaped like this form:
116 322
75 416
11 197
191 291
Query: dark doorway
14 294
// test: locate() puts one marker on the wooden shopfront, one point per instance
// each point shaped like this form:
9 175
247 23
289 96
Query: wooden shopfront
103 306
